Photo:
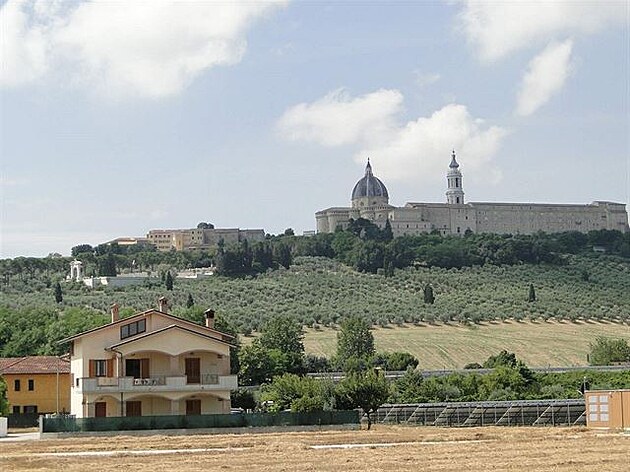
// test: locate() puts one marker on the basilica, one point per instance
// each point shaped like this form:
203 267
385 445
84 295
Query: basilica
370 200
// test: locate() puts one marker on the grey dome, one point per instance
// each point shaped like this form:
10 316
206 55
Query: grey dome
369 186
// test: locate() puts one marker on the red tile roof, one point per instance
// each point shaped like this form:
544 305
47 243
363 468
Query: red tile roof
34 365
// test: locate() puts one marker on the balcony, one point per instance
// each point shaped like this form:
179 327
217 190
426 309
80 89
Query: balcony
159 383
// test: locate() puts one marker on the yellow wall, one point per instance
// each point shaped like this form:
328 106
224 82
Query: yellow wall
44 394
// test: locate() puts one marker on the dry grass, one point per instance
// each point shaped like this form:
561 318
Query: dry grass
491 448
439 346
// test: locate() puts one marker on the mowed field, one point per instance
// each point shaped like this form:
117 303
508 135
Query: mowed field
385 448
439 346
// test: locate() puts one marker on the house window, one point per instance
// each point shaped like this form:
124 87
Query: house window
134 408
100 368
16 409
16 385
30 408
131 329
31 385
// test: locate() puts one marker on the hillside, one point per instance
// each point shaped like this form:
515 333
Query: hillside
321 291
538 344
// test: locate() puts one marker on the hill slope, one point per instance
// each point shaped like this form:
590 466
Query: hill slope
538 344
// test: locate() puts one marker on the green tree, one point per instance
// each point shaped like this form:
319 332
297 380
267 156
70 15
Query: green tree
504 358
290 391
242 398
285 334
367 391
408 388
607 351
289 232
387 234
355 339
257 365
4 403
531 295
429 297
190 302
58 293
168 281
107 265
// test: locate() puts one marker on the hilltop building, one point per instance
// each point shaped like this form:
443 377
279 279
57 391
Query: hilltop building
370 200
200 238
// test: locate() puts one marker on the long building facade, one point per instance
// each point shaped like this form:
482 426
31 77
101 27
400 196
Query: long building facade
200 238
370 200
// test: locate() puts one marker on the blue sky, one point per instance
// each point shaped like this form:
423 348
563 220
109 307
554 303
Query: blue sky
120 117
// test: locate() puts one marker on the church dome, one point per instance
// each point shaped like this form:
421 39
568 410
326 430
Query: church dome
369 186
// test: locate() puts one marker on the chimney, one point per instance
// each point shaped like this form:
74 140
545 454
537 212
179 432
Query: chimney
114 311
163 304
209 318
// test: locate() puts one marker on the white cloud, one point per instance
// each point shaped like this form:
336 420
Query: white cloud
546 75
413 151
425 79
338 119
500 27
151 49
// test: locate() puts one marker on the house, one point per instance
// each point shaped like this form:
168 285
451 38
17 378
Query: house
151 363
36 384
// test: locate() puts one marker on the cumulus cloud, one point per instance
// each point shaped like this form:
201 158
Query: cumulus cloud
338 119
152 49
411 151
496 29
546 75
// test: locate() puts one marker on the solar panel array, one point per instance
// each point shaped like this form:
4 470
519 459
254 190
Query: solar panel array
490 413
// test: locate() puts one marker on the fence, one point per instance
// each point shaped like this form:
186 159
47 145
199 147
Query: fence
22 420
499 413
242 420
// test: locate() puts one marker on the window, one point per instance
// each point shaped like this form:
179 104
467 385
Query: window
134 328
16 385
16 409
30 408
31 385
100 368
134 408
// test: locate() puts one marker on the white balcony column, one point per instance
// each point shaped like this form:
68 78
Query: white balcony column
174 364
174 407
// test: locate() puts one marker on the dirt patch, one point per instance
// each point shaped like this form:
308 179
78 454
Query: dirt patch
410 449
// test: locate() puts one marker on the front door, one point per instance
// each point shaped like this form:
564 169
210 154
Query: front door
100 409
193 407
134 408
193 371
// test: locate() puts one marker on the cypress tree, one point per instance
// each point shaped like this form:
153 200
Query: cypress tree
429 297
189 301
58 293
168 281
531 297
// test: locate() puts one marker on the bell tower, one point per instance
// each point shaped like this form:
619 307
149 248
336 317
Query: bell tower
455 191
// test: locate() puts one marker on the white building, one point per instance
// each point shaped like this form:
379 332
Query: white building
370 200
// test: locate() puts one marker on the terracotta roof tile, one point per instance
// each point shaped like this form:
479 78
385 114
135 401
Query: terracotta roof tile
34 365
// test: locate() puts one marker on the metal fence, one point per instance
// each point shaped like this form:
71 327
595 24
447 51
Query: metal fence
491 413
241 420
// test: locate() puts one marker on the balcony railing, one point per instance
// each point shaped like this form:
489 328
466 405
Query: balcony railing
157 383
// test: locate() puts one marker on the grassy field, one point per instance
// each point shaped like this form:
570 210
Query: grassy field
538 344
410 449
